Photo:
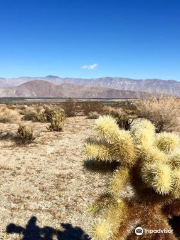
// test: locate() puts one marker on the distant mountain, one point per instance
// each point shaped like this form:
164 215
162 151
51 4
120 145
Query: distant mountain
171 87
41 88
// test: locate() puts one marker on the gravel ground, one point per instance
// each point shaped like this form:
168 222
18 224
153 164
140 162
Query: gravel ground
44 187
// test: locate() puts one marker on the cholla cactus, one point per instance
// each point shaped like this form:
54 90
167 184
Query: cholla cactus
24 135
45 115
57 121
149 164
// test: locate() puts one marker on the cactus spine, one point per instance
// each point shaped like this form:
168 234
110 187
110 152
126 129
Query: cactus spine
148 162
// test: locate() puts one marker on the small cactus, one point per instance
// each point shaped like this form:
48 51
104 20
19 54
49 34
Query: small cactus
150 164
57 121
24 135
45 115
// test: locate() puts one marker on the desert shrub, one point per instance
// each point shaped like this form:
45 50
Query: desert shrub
164 112
11 106
93 106
70 107
45 114
107 109
8 115
144 189
24 135
29 114
41 117
127 105
57 121
124 118
93 115
22 108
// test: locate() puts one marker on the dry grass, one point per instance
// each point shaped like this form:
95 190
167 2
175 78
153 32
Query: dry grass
163 112
32 113
47 179
8 115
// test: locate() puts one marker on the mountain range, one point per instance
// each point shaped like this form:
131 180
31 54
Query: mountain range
107 87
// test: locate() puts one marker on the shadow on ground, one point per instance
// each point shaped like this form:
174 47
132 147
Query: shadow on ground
33 232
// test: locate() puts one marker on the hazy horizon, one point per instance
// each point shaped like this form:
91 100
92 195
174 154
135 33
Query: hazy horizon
50 75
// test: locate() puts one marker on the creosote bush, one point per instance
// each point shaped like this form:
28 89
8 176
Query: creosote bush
57 121
24 135
144 189
163 112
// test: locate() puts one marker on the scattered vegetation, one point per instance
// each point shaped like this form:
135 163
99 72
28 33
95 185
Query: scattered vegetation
123 118
93 115
70 108
24 135
164 113
30 113
144 189
57 121
8 115
39 114
88 107
141 158
45 115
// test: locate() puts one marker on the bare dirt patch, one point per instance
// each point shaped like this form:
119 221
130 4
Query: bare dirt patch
45 184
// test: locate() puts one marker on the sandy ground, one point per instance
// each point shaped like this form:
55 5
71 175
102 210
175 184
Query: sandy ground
44 186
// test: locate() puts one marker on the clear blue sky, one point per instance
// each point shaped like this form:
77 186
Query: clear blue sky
125 38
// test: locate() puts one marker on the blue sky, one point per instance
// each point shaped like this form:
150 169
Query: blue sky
90 38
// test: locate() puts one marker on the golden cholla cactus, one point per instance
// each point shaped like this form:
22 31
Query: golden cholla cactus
146 162
57 121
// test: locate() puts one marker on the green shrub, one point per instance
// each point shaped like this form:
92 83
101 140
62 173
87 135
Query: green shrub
57 121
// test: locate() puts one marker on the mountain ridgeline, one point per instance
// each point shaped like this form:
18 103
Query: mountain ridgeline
109 87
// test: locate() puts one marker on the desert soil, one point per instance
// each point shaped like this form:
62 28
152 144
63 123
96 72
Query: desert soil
44 186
